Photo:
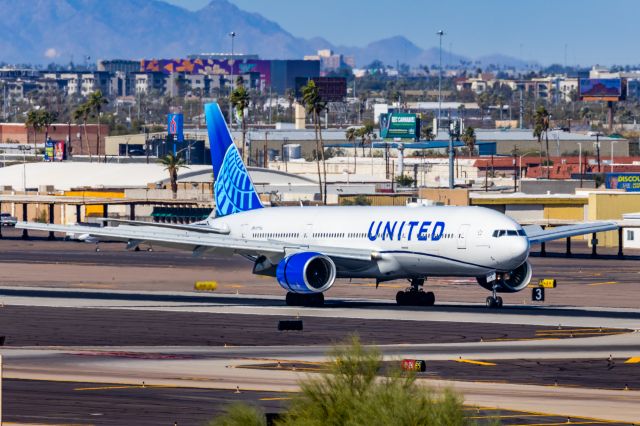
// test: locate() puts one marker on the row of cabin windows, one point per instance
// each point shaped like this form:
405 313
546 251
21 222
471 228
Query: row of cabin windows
276 235
334 235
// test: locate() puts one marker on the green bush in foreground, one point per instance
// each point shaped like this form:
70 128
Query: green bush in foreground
351 392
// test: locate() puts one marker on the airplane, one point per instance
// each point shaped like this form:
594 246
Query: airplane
307 248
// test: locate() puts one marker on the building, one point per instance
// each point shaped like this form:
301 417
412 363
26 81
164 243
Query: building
330 61
18 133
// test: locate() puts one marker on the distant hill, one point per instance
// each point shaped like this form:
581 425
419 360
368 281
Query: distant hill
44 31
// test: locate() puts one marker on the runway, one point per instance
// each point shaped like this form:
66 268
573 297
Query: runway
84 330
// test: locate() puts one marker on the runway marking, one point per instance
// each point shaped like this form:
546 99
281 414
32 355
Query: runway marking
507 416
603 283
561 423
633 360
470 361
276 398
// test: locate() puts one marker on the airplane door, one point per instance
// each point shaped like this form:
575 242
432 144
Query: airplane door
308 230
244 228
462 236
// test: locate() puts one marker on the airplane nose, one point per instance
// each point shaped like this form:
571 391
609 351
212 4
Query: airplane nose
521 250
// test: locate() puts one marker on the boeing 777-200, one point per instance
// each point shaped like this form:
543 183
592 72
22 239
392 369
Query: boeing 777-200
307 248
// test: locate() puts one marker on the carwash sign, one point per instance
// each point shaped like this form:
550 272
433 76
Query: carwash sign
397 125
630 182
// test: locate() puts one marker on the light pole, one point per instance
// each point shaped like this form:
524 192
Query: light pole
232 34
580 161
440 34
597 135
520 160
24 149
612 143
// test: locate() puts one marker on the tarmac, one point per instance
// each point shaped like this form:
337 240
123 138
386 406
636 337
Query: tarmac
107 337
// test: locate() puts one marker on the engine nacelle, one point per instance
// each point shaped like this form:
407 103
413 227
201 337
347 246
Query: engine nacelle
510 282
306 272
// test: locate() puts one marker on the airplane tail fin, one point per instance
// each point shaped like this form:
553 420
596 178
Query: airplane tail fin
233 190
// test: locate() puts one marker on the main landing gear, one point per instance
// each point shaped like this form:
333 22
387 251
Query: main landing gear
414 295
494 301
298 299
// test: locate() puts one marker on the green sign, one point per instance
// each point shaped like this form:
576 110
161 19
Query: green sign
398 125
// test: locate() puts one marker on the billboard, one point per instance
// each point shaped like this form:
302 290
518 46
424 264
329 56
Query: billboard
224 67
601 89
54 150
175 125
630 182
398 125
331 89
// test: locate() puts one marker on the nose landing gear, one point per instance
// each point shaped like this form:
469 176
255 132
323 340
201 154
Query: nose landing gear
414 295
494 301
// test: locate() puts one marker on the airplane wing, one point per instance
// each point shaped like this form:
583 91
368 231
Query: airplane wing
197 241
536 234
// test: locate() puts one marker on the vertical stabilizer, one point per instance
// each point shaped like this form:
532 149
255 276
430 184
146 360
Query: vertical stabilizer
233 190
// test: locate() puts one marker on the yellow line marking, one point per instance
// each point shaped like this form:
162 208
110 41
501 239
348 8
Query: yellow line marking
560 423
633 360
282 398
470 361
603 283
510 416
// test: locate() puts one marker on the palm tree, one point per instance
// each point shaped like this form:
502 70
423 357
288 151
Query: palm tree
351 134
541 126
314 106
81 114
33 122
46 120
95 103
172 164
469 139
366 133
240 101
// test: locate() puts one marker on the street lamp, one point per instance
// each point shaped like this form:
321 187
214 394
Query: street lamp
232 34
520 160
597 135
440 34
612 143
24 149
580 161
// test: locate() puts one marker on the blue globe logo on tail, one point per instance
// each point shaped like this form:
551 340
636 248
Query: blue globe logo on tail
233 190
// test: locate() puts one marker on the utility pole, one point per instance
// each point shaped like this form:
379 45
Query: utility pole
521 109
454 133
440 34
232 34
598 150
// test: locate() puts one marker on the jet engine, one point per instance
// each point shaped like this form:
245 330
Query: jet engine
306 273
512 281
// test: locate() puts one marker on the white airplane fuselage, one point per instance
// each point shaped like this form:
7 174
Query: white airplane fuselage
407 241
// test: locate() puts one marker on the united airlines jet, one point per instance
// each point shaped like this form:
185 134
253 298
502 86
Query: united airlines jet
307 248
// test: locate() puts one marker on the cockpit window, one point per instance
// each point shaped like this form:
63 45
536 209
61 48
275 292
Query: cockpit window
508 232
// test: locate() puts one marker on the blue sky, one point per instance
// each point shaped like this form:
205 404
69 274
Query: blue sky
593 31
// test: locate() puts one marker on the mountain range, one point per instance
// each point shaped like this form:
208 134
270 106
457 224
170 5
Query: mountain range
45 31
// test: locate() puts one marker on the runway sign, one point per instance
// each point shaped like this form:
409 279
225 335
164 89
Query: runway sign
205 285
547 283
413 365
537 294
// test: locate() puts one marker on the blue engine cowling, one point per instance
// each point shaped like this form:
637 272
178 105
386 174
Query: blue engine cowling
306 272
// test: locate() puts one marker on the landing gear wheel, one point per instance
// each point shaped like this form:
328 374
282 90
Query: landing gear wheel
494 302
401 298
428 298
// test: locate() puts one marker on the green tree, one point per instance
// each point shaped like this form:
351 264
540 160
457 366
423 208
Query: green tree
240 415
172 164
33 122
314 106
469 139
240 100
367 134
81 114
351 135
95 103
540 128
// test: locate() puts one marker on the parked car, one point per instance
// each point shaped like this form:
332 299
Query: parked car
7 220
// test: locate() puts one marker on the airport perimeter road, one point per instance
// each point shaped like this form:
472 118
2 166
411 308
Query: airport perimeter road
606 281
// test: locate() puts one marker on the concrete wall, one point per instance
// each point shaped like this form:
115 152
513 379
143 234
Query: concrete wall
446 196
